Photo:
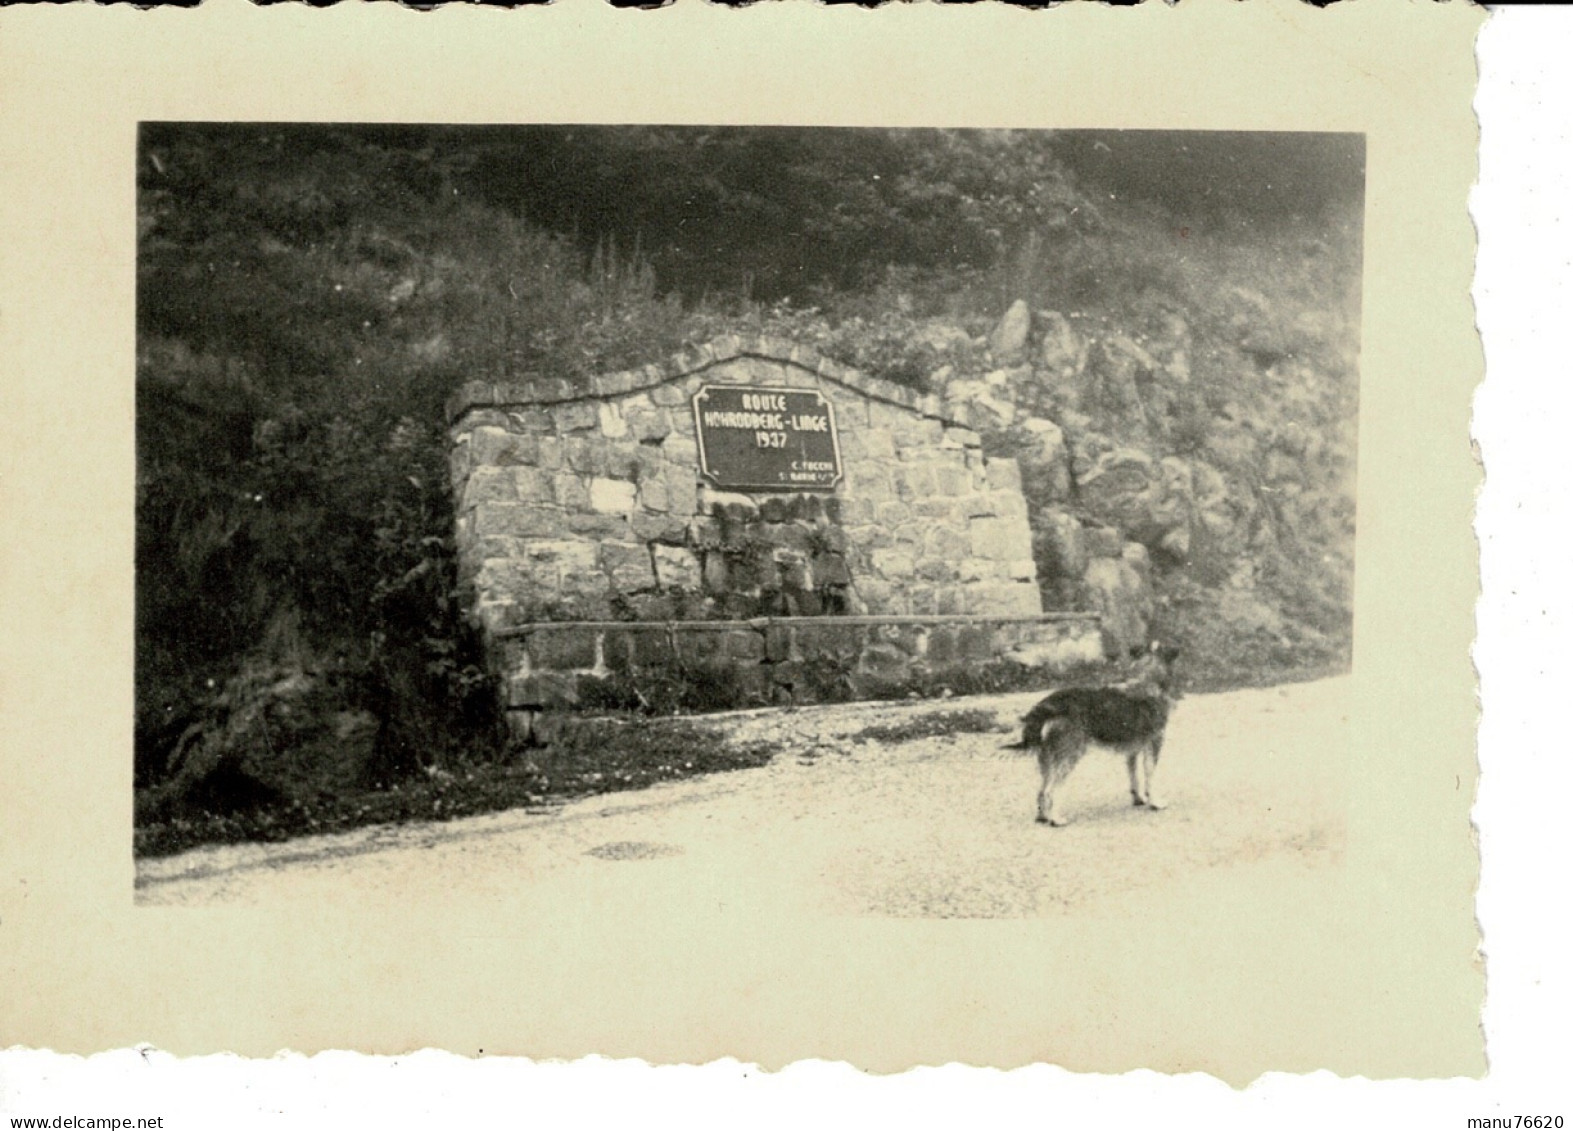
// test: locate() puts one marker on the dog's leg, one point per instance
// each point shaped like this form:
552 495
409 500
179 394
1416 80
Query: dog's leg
1150 760
1061 748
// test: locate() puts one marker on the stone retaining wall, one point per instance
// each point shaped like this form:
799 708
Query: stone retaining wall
586 504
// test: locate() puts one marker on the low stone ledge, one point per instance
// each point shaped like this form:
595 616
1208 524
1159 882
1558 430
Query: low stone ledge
760 624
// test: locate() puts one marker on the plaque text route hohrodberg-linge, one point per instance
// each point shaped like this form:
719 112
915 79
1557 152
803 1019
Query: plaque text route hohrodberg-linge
773 439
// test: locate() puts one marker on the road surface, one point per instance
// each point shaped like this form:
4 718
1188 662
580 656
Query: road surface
938 827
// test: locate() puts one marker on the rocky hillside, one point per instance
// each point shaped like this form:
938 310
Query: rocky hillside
1190 468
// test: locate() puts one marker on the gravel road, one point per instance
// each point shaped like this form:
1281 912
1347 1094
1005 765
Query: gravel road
930 828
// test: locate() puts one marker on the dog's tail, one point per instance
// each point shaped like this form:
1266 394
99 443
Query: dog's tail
1036 722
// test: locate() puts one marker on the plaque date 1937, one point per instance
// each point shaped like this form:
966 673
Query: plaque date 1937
766 439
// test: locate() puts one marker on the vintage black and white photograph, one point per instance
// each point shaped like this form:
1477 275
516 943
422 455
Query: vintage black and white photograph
921 539
900 523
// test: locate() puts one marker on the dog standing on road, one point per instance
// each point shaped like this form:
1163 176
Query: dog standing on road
1127 719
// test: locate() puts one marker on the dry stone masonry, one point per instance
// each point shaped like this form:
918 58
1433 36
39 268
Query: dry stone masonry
747 509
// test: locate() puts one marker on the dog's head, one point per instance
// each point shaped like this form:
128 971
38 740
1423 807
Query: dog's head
1156 663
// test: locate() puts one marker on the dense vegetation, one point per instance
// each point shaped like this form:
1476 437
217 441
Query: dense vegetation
308 296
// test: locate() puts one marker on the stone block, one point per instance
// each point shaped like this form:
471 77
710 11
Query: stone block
704 533
682 491
575 416
975 643
599 527
494 546
491 446
628 565
654 648
676 567
493 417
949 600
893 514
936 569
663 528
671 395
999 539
977 569
458 465
543 690
792 570
585 454
1008 341
780 644
508 519
887 661
1102 541
569 555
617 650
833 643
851 511
920 433
940 510
649 425
570 491
681 450
1136 556
743 645
625 459
716 575
951 478
923 598
975 505
828 538
909 536
879 444
542 521
611 421
946 541
913 481
752 572
830 568
791 536
489 485
699 646
563 649
1060 544
1022 569
1007 504
612 496
893 565
532 485
548 453
652 606
1120 594
869 480
941 645
732 504
1003 474
957 437
802 603
876 595
1023 597
501 578
652 494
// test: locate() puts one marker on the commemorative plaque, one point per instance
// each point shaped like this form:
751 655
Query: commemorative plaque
764 439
